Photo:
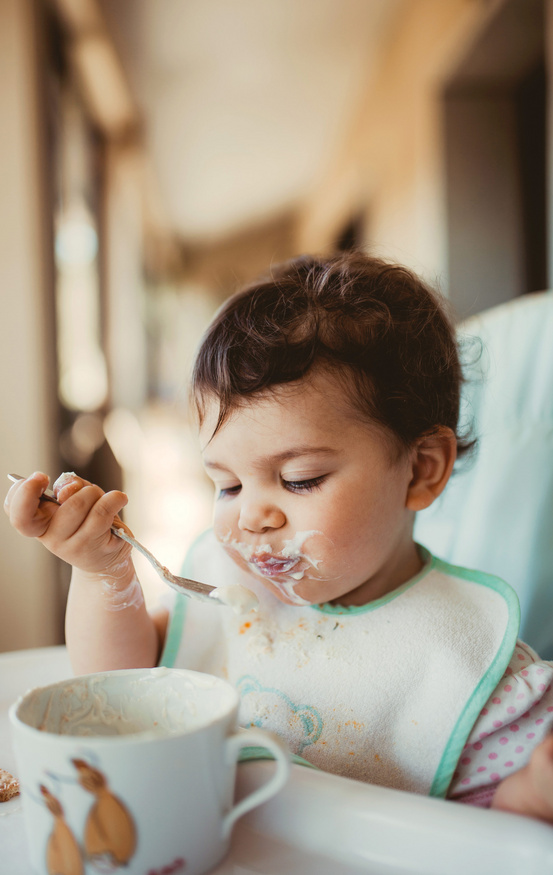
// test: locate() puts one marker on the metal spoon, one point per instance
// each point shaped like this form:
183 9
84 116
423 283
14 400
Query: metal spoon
190 588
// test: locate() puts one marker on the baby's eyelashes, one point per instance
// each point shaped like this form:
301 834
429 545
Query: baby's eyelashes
308 485
228 491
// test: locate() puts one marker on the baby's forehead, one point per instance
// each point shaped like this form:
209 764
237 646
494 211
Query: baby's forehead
318 389
304 411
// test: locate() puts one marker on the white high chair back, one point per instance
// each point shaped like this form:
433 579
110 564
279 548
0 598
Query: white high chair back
497 514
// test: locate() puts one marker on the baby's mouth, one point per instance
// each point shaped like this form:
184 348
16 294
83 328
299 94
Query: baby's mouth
273 566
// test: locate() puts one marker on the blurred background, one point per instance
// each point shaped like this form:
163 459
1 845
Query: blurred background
155 154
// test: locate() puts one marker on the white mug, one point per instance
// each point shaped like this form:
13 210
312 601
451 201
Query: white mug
133 771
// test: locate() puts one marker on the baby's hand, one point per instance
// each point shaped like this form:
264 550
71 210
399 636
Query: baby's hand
530 790
78 531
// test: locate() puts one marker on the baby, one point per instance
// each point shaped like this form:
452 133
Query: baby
328 401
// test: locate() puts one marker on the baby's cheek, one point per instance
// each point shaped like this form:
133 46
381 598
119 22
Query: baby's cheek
224 535
221 527
317 548
224 519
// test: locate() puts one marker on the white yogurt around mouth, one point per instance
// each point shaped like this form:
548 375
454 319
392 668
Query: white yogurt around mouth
290 556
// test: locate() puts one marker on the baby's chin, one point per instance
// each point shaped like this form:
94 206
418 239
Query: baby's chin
285 593
285 588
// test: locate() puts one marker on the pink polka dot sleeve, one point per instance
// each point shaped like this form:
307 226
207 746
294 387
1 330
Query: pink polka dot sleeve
516 718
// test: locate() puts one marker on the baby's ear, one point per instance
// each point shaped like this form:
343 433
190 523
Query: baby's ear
433 459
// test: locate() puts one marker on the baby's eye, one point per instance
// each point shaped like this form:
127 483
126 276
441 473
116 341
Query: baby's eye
229 491
304 485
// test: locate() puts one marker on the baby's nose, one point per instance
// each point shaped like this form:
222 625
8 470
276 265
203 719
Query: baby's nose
259 518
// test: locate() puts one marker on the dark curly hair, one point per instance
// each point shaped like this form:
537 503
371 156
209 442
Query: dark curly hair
373 324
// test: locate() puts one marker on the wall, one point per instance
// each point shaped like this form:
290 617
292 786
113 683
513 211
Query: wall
391 164
29 592
486 262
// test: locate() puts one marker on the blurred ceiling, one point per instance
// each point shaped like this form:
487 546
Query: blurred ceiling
243 101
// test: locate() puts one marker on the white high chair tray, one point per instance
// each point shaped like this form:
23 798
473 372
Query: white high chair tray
319 824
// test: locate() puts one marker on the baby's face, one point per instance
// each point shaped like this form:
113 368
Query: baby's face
308 497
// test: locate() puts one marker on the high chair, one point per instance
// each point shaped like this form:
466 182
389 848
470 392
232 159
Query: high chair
496 513
319 824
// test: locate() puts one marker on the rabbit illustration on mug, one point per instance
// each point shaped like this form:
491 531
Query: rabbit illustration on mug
109 836
110 833
63 855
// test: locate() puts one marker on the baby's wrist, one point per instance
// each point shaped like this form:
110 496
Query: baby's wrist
118 595
118 585
118 573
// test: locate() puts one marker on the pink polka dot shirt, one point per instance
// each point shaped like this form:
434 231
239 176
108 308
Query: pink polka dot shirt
516 718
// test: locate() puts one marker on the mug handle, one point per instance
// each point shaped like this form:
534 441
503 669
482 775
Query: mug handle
275 745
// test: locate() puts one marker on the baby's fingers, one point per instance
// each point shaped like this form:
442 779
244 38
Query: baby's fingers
88 514
105 511
67 485
75 513
26 512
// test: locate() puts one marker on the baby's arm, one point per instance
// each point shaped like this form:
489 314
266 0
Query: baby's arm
107 624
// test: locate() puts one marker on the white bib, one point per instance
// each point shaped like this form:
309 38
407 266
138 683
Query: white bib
385 693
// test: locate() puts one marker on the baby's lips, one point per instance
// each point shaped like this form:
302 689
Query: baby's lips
262 557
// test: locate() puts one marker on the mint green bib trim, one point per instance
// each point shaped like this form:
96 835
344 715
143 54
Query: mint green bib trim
352 610
247 754
488 683
174 632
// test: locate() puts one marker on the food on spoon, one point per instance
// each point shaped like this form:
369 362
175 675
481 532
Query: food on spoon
237 597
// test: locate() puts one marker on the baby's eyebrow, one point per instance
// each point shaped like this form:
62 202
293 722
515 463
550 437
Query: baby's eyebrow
277 458
295 452
214 466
